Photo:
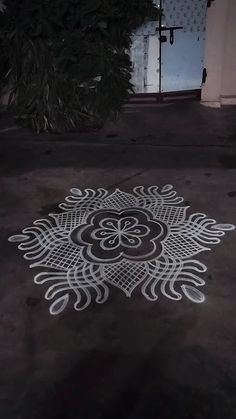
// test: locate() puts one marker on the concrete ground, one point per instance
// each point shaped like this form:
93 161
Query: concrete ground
128 358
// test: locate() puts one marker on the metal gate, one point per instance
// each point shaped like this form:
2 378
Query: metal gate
167 54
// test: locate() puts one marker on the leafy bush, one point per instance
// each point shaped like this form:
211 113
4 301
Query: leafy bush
69 62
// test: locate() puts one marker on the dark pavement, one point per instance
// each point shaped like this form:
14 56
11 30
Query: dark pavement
128 358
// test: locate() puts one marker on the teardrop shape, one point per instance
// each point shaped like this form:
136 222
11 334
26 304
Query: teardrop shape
193 294
224 227
76 191
18 238
167 188
59 305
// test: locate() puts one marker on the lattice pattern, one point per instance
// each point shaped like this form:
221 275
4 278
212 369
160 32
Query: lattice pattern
119 200
182 247
126 275
168 214
70 220
152 246
63 257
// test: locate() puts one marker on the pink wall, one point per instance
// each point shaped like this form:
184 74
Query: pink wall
220 54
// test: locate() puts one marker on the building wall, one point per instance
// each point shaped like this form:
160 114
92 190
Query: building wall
228 88
220 54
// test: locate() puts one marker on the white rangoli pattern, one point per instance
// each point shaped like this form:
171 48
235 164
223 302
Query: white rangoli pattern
144 238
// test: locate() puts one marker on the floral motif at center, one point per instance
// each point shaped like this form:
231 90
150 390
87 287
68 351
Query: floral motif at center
113 235
143 239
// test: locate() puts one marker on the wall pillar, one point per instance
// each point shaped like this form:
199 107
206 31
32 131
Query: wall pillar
220 54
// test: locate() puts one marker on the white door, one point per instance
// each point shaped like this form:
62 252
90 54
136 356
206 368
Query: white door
182 58
145 58
166 59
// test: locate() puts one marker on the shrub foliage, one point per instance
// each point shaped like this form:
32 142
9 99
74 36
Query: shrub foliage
68 60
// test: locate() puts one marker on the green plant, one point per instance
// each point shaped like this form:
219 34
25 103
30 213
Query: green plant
69 65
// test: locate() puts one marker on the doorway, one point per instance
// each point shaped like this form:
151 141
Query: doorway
167 54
